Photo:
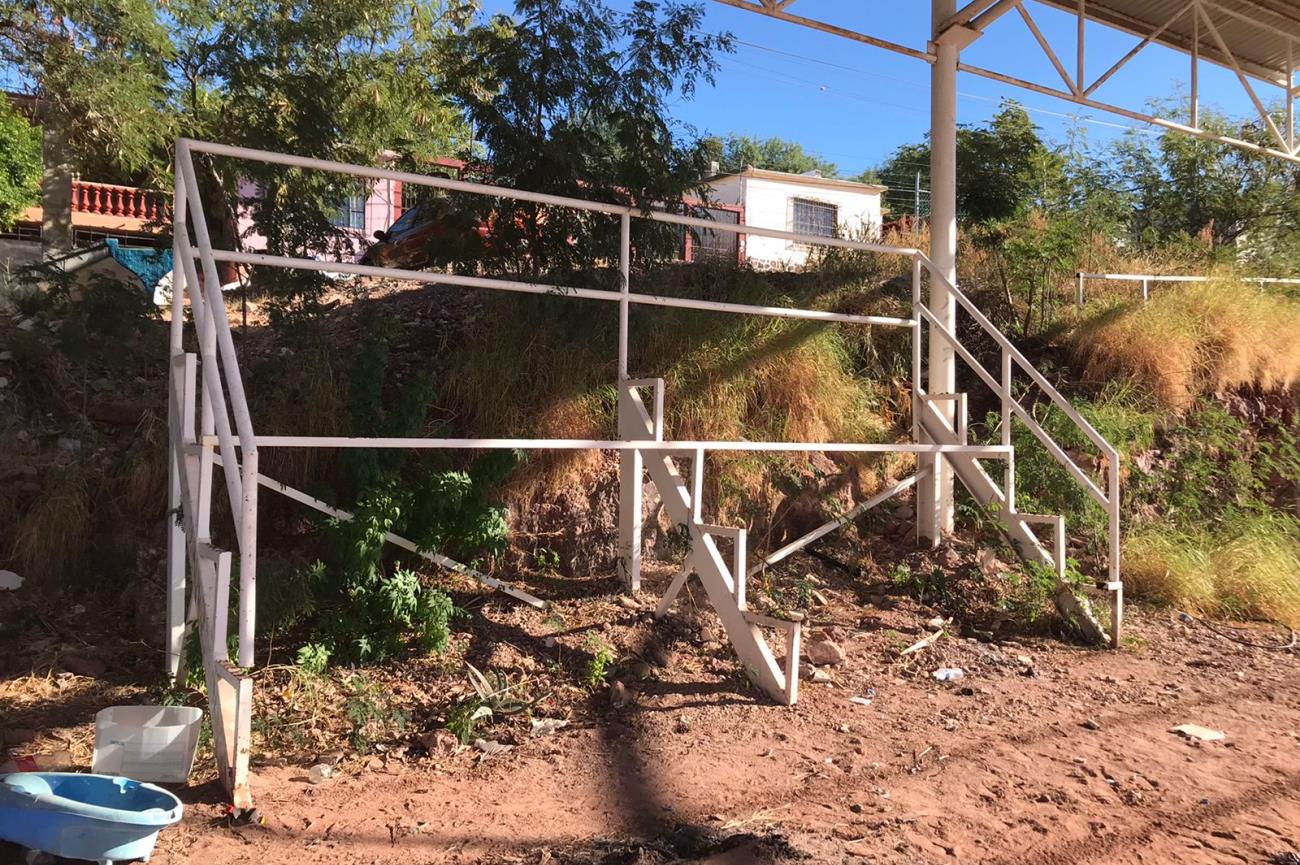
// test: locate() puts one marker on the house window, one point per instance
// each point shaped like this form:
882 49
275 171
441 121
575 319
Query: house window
352 213
815 218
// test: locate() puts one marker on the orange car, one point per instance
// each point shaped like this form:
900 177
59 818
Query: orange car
428 234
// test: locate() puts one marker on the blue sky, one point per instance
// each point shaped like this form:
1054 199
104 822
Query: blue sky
853 104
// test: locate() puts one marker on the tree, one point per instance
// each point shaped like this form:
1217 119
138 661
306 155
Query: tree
735 152
20 164
1002 168
571 97
1188 186
344 79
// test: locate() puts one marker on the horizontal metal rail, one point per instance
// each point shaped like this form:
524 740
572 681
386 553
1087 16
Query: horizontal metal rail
831 525
1147 278
668 447
557 290
397 540
487 189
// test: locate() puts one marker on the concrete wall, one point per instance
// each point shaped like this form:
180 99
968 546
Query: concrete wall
769 203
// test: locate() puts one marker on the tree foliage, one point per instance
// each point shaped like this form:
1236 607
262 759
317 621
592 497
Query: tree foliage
1003 168
1180 185
735 152
20 164
571 97
344 79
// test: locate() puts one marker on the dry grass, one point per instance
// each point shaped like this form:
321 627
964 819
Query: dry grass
53 534
1193 339
1248 568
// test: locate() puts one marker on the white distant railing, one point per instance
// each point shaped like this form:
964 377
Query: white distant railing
1147 278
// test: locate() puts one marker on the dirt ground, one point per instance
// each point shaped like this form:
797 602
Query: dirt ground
1042 753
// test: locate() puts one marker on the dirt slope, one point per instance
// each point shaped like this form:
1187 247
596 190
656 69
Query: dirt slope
1065 759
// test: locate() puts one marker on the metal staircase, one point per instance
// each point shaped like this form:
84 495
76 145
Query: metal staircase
211 429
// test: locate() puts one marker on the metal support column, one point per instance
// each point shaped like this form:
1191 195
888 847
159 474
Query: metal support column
934 496
631 467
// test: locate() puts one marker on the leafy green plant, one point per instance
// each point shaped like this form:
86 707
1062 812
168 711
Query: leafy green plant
371 712
599 664
463 717
546 560
313 659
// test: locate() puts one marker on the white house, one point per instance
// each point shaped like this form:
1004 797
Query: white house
803 203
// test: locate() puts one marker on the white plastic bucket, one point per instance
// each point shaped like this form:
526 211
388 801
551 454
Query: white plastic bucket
147 743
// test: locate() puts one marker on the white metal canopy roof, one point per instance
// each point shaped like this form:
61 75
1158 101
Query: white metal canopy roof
1258 40
1262 35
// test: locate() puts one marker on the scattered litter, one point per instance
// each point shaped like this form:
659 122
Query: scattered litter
861 701
547 726
1196 731
922 643
319 773
1091 724
491 747
938 623
10 582
948 674
814 675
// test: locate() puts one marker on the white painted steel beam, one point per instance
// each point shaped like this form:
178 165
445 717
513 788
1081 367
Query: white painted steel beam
671 448
934 499
558 291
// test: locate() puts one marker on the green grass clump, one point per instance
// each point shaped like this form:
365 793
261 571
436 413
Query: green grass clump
1248 567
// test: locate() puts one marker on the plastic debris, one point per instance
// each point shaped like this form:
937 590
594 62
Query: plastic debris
320 772
491 747
10 582
861 701
547 726
1196 731
948 674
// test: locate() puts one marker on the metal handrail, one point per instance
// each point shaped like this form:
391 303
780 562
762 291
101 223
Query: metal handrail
1147 278
218 336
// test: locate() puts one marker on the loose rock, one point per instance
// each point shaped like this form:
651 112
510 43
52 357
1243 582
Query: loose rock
823 652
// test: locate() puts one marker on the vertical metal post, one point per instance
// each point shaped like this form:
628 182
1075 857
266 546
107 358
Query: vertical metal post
1083 19
697 486
1196 69
741 567
1146 290
1116 585
1290 95
175 533
630 463
934 500
1009 478
1078 291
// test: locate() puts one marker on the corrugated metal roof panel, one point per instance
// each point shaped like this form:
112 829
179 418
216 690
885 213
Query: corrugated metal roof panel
1263 35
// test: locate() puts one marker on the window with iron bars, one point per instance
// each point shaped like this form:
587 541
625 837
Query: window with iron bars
815 218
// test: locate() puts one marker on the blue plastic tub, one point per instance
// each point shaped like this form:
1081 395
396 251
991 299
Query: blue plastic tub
97 817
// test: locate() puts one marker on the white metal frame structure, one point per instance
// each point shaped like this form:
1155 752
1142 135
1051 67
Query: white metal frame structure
1258 40
206 390
1147 278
